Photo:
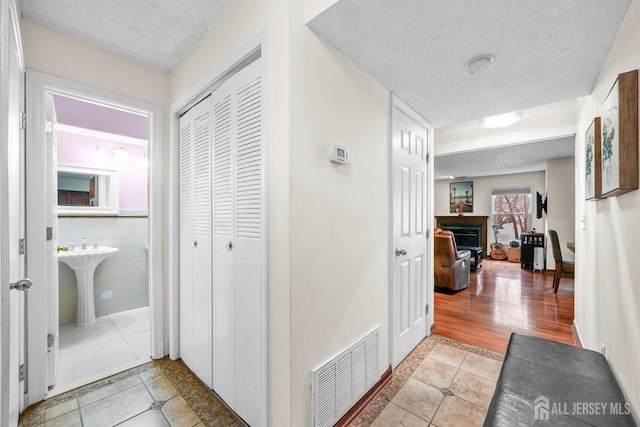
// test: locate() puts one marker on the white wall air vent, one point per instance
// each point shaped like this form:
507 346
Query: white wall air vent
340 383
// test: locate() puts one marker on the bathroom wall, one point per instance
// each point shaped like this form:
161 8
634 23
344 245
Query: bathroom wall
77 150
120 281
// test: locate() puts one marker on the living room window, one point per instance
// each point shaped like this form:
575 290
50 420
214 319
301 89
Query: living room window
511 212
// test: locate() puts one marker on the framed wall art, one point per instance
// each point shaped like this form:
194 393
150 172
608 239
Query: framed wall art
619 134
461 197
593 160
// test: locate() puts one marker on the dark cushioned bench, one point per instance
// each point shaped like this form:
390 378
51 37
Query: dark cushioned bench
547 383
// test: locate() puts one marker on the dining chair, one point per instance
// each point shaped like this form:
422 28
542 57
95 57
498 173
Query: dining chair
561 265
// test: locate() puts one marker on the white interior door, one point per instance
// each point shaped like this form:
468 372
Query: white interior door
51 208
410 233
12 222
195 240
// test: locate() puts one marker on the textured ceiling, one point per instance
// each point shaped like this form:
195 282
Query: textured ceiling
154 32
545 50
519 158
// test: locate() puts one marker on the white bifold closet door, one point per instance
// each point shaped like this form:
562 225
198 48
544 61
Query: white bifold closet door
233 311
195 240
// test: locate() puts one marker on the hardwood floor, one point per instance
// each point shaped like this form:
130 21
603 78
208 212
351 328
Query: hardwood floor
501 299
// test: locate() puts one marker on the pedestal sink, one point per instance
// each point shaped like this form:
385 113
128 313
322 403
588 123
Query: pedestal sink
84 263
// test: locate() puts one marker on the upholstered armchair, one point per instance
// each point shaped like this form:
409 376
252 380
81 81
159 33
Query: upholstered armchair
452 267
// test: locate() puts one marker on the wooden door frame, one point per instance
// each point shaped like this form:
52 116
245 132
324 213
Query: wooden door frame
38 84
259 46
400 105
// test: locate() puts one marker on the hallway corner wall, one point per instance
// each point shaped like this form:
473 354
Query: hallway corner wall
607 295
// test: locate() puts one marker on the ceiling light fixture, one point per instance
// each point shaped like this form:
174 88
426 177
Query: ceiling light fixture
501 120
142 161
480 64
121 154
99 156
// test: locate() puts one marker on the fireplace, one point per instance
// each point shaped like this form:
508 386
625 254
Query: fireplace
466 234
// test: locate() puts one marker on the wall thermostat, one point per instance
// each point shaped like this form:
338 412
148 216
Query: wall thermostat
339 155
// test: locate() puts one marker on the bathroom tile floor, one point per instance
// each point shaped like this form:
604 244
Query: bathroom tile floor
115 343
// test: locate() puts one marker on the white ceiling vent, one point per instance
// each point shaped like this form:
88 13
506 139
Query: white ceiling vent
341 382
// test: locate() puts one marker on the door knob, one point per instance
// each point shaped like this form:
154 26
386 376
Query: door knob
195 244
21 285
400 252
229 246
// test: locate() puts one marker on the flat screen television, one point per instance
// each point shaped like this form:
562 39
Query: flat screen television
540 205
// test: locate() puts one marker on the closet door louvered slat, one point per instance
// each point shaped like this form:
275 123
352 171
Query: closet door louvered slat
249 160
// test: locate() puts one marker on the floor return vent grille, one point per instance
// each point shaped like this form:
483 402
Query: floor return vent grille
342 381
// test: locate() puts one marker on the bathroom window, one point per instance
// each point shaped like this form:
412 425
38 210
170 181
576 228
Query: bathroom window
87 191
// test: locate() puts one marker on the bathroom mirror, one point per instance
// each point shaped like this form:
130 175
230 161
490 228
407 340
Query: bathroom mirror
87 191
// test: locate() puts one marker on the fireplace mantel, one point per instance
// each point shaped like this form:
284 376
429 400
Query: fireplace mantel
469 220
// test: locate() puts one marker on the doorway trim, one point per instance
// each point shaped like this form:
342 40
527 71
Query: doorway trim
399 104
38 84
257 47
12 336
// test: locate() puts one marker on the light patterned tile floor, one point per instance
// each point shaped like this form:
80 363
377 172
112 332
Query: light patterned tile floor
441 383
115 343
158 394
145 393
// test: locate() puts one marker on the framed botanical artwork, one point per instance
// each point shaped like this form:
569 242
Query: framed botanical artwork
619 133
593 160
461 197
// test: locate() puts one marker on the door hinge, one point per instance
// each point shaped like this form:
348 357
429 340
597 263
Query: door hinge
426 309
50 340
49 233
23 120
427 160
23 246
48 126
22 372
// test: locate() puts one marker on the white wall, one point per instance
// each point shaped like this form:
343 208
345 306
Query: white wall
482 187
329 225
60 55
560 186
340 215
607 288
